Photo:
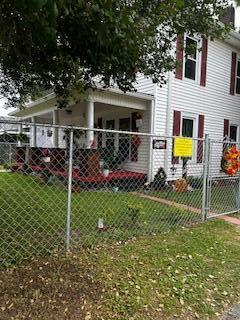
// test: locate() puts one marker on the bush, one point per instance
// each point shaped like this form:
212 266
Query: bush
134 212
159 181
7 166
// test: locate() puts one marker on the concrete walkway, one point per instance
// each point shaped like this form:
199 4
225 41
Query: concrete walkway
226 218
233 313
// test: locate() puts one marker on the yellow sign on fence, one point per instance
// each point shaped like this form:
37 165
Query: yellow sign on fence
183 147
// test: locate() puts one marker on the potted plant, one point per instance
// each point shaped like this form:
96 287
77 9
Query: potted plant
105 171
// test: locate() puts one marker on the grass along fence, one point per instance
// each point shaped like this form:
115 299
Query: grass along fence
74 196
33 217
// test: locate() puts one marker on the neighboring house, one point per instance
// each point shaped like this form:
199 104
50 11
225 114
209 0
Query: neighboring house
10 138
10 132
201 97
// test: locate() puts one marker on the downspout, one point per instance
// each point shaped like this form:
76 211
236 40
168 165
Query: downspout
168 118
152 131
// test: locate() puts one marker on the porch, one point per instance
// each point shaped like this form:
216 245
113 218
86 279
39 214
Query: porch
93 151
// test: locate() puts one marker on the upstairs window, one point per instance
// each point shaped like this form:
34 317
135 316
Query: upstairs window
191 59
238 77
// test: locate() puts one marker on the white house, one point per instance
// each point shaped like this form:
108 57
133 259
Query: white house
201 97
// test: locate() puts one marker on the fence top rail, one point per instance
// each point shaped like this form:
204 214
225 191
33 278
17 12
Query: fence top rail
224 141
69 127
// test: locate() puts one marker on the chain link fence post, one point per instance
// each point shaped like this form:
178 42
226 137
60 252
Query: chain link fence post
205 191
10 153
69 197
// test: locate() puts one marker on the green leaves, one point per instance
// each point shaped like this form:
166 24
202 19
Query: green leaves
49 44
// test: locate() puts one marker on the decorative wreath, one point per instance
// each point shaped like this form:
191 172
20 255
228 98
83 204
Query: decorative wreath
231 161
136 141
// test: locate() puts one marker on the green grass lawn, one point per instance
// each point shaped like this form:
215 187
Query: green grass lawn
189 273
33 217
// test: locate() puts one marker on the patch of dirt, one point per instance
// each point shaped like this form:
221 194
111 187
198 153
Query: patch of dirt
50 289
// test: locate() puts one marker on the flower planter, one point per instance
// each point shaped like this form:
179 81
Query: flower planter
105 173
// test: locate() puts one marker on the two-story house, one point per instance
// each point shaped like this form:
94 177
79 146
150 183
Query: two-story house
201 97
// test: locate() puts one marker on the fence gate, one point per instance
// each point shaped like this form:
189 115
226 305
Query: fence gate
222 191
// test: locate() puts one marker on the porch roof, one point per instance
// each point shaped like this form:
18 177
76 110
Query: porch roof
111 96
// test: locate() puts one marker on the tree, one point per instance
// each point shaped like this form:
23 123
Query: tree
62 45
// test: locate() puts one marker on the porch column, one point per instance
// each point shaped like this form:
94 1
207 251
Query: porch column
33 133
20 133
90 122
55 130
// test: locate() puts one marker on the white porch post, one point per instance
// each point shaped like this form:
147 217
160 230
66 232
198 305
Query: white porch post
20 133
90 122
55 130
33 133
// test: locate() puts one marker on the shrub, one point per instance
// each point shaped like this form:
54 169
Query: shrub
159 181
7 166
134 212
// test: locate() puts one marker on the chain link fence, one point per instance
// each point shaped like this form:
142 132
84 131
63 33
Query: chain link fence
223 190
73 187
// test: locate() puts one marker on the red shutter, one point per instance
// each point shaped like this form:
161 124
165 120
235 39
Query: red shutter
176 130
233 73
179 57
200 136
226 127
204 62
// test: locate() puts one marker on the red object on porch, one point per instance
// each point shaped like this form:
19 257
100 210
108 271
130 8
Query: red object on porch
20 154
117 175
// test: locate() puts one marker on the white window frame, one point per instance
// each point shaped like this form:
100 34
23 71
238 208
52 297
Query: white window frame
237 77
198 56
194 117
